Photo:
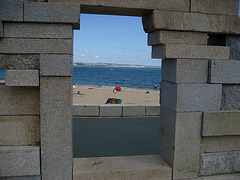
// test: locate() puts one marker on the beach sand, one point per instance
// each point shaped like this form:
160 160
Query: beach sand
99 95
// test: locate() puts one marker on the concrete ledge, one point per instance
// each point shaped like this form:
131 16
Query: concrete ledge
219 163
19 161
111 110
55 65
188 51
125 167
19 130
11 11
22 78
221 123
53 13
86 110
152 110
133 110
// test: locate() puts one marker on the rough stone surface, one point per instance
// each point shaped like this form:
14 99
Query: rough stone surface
176 37
188 51
180 141
37 30
191 97
55 65
52 12
168 20
36 46
125 167
19 130
133 110
220 177
185 71
214 144
233 24
19 62
19 161
86 110
111 110
224 72
22 78
11 11
222 123
230 97
152 110
19 100
1 29
229 7
56 127
220 163
233 41
22 178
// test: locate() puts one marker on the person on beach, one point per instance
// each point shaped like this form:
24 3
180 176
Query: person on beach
155 87
74 87
117 88
78 93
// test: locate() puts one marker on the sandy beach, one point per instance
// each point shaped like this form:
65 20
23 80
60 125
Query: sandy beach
99 95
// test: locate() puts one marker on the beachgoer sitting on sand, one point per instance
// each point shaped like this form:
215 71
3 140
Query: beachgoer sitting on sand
74 87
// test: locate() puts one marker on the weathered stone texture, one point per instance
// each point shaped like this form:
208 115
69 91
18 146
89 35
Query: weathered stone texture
22 78
52 12
19 161
221 123
225 72
22 178
55 65
180 141
56 127
86 110
133 110
111 110
191 97
229 7
233 41
37 30
230 97
188 51
130 167
176 37
1 29
19 130
220 163
19 62
153 110
233 24
19 100
11 11
185 71
214 144
36 46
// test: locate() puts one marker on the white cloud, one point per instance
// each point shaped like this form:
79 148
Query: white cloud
97 57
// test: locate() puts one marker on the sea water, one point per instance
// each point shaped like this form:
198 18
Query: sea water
140 78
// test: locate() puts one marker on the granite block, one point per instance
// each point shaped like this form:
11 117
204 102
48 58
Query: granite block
111 110
213 144
86 110
19 161
219 163
19 61
52 13
233 41
133 110
184 21
185 71
191 97
22 78
55 65
233 25
180 141
11 11
19 130
188 51
21 178
222 123
56 127
229 7
1 29
36 46
152 109
124 167
230 97
19 100
176 37
37 30
224 72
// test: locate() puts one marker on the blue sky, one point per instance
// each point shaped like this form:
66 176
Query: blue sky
112 39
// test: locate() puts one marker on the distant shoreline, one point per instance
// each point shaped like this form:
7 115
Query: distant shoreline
84 64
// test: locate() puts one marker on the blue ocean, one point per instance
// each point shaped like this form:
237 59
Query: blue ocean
140 78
